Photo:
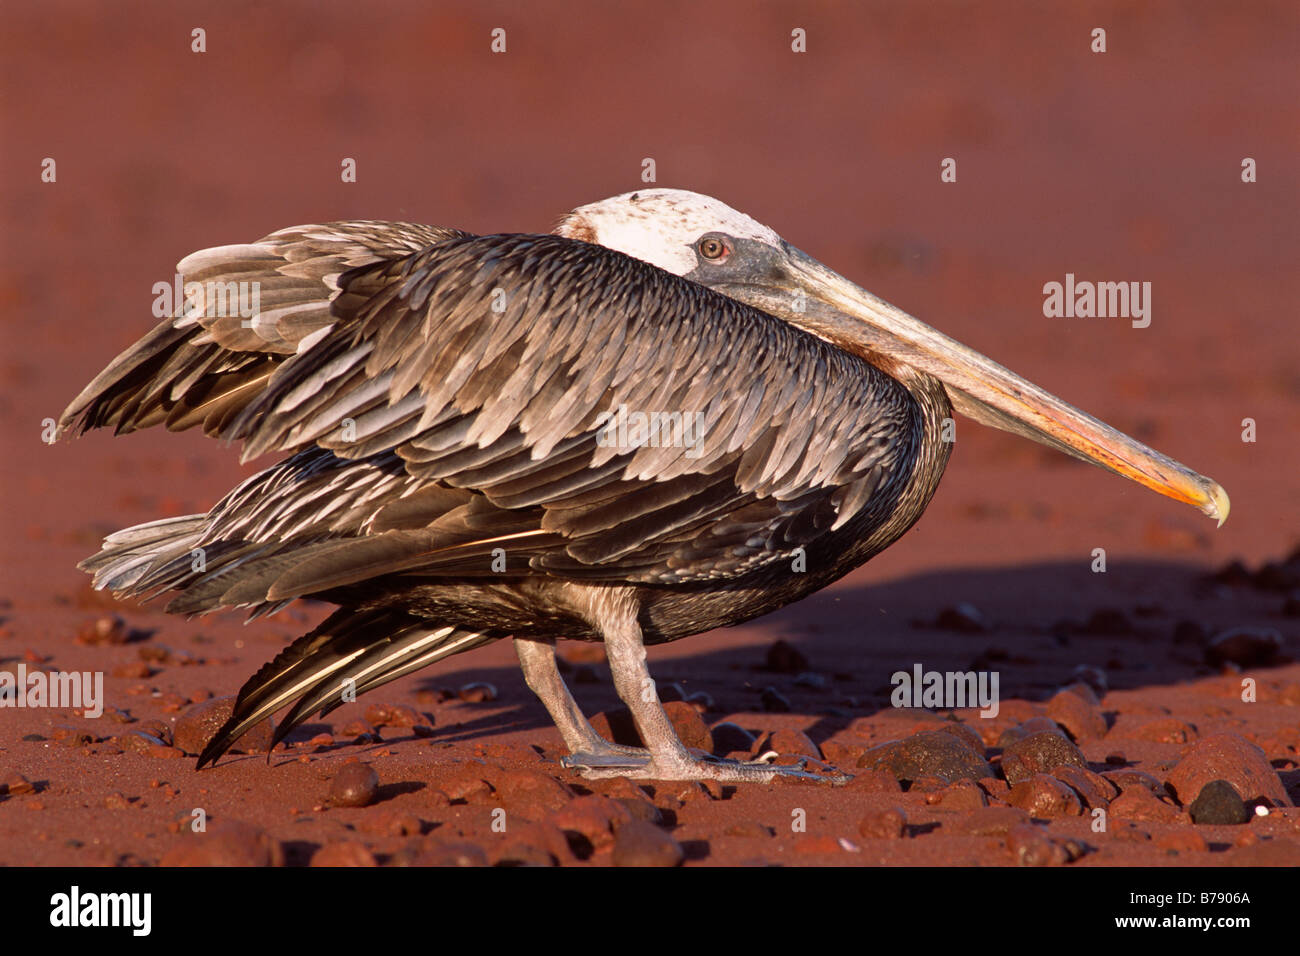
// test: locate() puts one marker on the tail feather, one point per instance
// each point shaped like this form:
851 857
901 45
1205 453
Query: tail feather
130 557
350 648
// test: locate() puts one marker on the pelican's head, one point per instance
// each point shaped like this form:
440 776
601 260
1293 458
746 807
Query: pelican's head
710 243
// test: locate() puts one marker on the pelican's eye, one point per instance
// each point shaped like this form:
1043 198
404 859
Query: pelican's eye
713 248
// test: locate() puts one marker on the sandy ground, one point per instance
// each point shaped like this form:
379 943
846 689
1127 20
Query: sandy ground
1122 166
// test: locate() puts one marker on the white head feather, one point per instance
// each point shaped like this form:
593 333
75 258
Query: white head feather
660 226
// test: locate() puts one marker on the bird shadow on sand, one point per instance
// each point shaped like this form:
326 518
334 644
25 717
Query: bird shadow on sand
1139 625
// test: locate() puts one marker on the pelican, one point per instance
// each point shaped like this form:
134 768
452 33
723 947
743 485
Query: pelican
659 419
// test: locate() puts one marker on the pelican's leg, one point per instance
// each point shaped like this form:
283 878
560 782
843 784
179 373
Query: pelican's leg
537 658
669 758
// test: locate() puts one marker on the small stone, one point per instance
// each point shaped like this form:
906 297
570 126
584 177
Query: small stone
1079 716
1045 797
17 785
450 853
355 785
670 692
961 795
641 809
198 725
1182 841
748 829
1131 778
889 824
690 726
1093 789
1162 730
1219 804
1245 647
519 852
990 821
226 843
530 792
773 701
343 854
359 728
465 782
728 737
1094 677
594 818
110 629
1232 758
963 618
794 742
642 844
535 844
116 801
1140 805
1039 753
701 701
393 823
478 692
785 658
930 753
811 681
616 725
1031 846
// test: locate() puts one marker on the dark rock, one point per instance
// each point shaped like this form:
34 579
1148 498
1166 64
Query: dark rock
811 680
773 701
670 692
963 618
1219 803
1094 677
1246 647
785 658
728 737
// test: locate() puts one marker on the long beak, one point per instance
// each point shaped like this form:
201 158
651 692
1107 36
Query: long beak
836 309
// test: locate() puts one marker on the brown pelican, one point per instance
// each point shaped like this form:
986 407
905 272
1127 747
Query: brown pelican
658 420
